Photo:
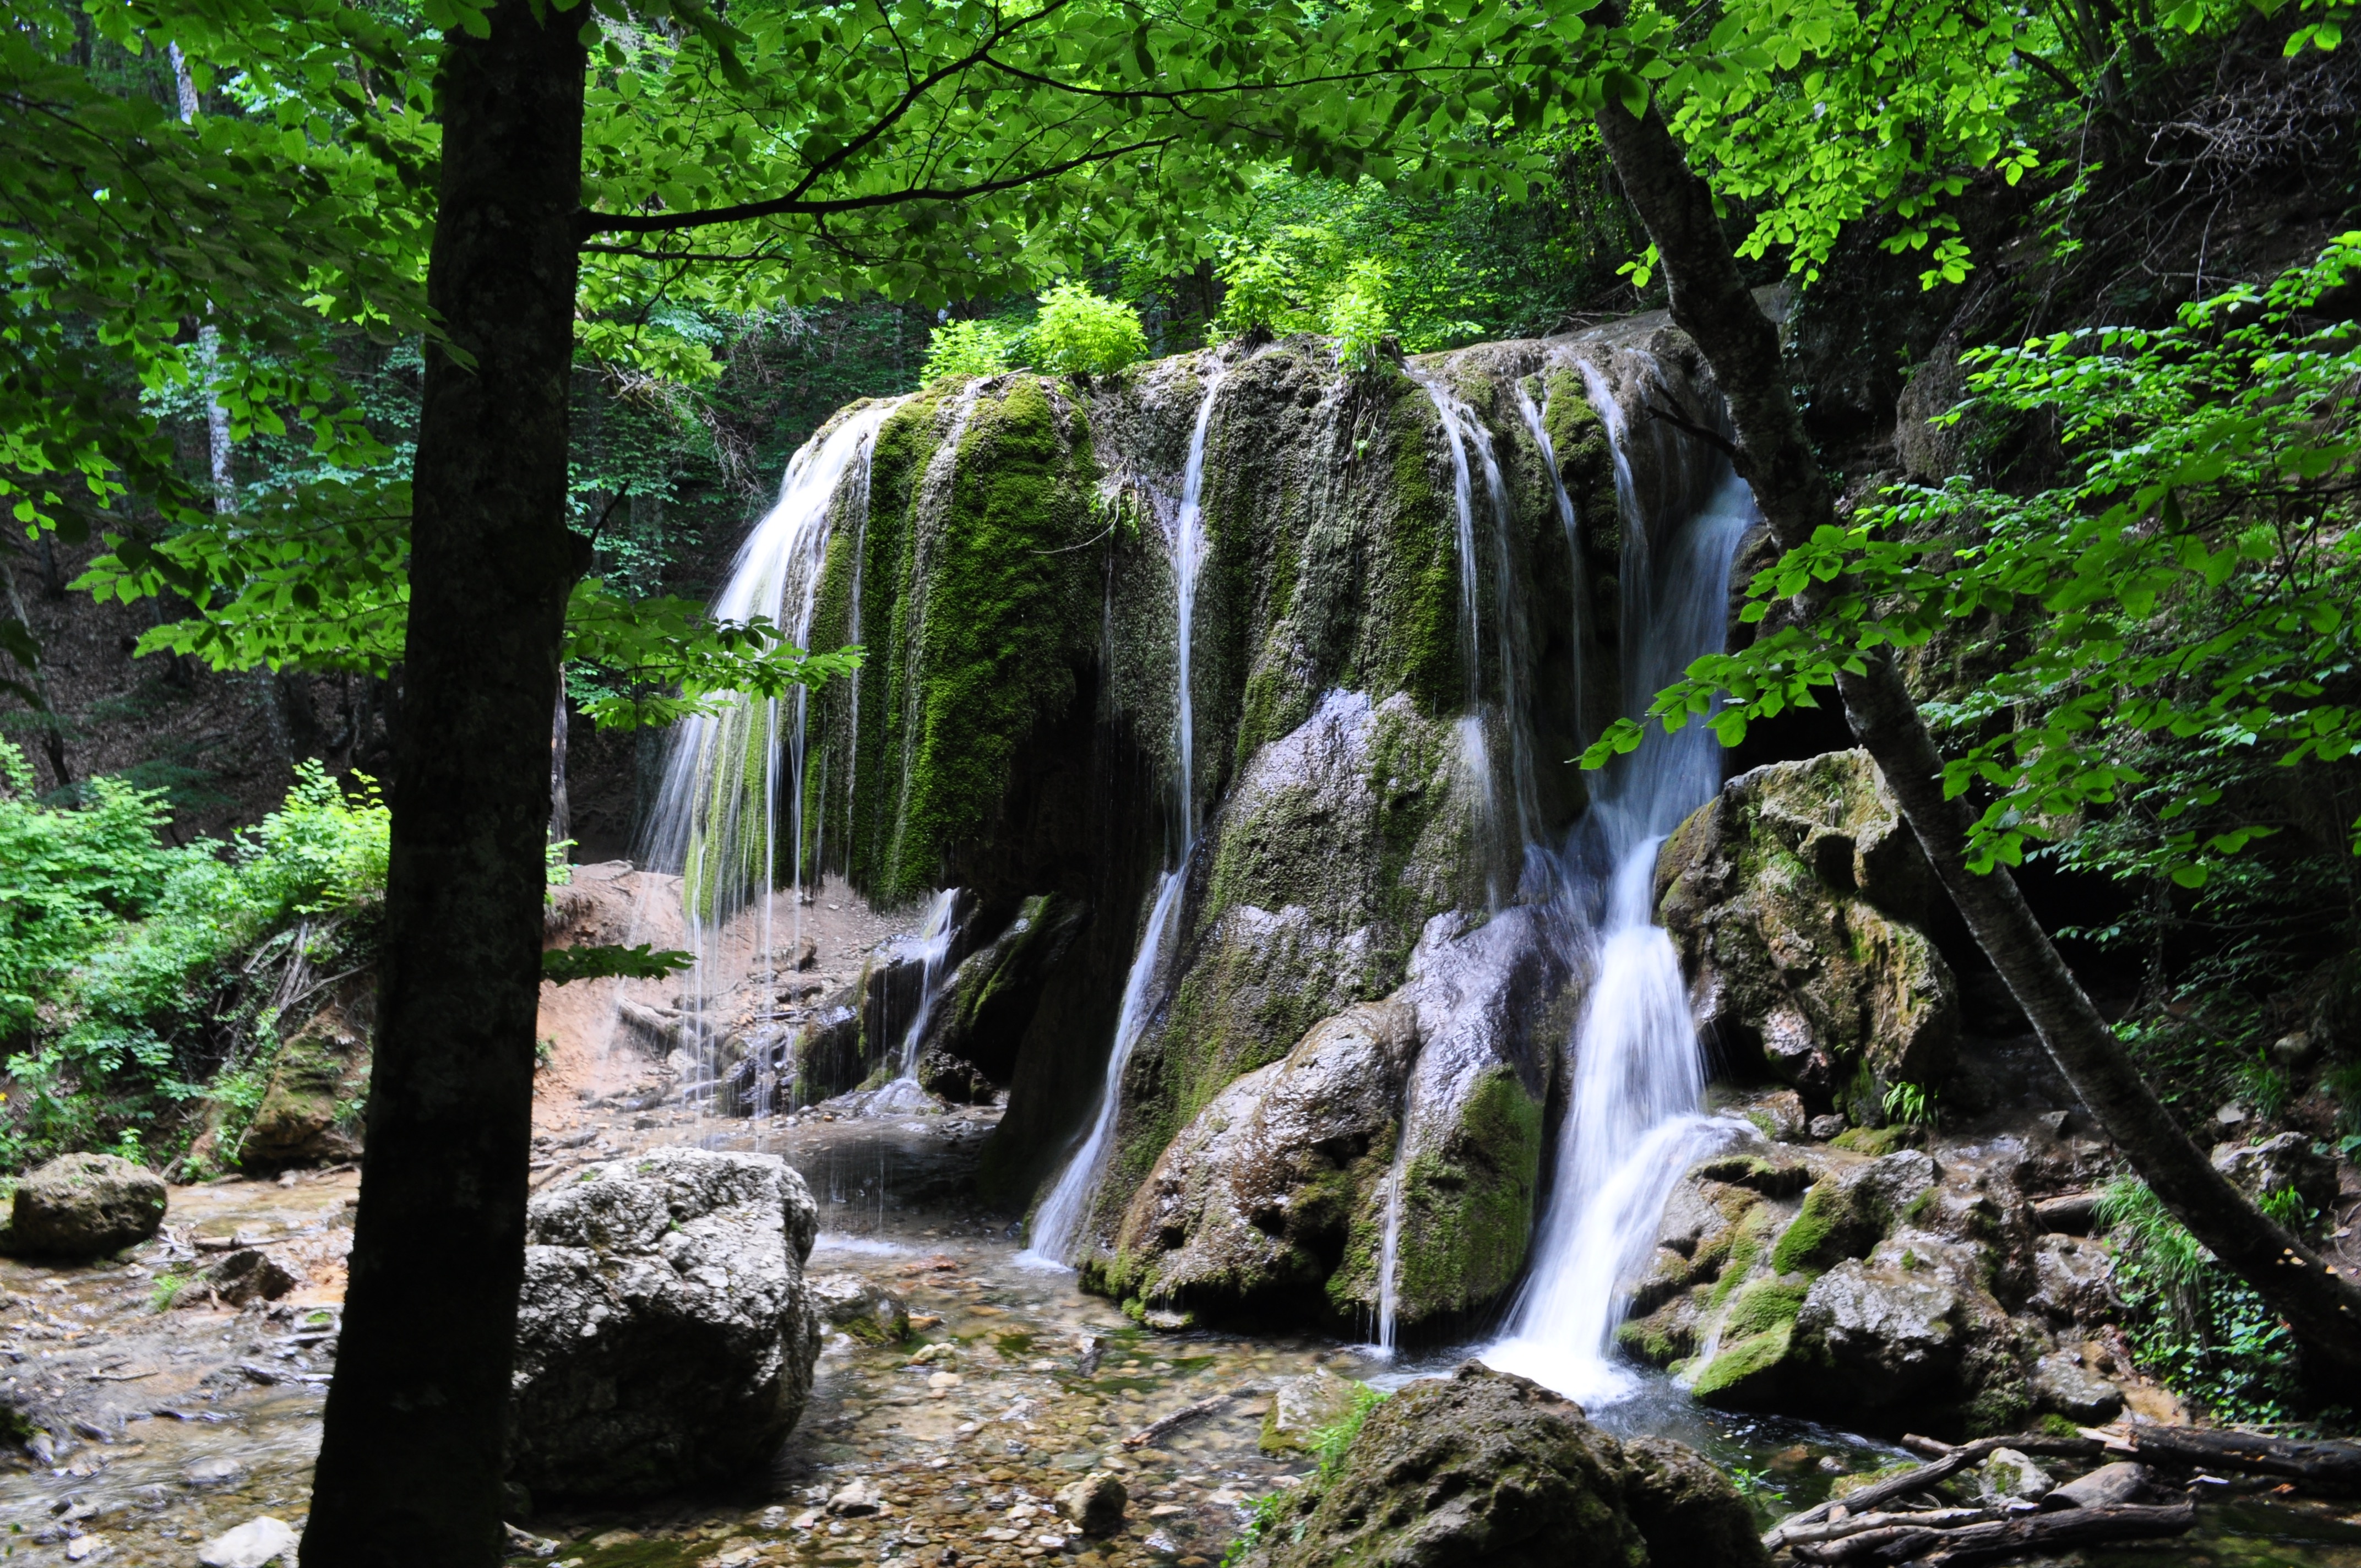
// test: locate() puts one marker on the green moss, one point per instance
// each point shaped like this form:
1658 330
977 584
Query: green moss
1414 576
1469 1202
1762 1307
1816 1240
1877 1141
1656 1339
1742 1371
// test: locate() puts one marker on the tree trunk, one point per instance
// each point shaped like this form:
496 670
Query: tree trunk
411 1455
1712 304
561 808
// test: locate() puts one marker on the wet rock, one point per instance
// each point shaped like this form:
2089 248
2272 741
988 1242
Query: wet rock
2009 1476
221 1470
251 1545
1300 1407
244 1275
1486 1470
1492 1012
2074 1281
855 1498
1248 1207
2060 1383
84 1205
989 1000
310 1112
1094 1504
1891 1332
2282 1164
1687 1510
665 1332
1794 896
864 1310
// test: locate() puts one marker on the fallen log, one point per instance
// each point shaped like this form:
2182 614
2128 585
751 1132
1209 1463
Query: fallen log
2329 1464
1909 1481
1856 1524
2002 1538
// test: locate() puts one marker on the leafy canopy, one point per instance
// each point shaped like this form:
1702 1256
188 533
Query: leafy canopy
2194 577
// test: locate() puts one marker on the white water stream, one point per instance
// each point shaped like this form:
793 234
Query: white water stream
1057 1225
1635 1121
727 839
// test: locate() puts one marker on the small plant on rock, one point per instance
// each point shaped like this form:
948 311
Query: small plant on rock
1079 330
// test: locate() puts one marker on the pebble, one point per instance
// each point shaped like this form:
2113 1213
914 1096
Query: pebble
251 1545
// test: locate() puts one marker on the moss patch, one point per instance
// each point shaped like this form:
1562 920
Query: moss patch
1745 1372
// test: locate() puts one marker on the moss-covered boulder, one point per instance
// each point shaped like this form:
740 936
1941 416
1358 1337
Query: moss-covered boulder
84 1205
1492 1006
1487 1470
1795 898
1881 1296
1247 1210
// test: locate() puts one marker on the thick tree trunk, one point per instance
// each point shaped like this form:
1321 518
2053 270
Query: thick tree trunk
410 1462
1713 305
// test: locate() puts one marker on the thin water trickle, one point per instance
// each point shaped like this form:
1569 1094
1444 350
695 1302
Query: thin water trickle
1057 1225
935 939
1637 1120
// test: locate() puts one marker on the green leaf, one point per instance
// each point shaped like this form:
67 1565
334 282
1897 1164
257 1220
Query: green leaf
562 965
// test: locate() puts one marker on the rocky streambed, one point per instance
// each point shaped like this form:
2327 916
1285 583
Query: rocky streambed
190 1417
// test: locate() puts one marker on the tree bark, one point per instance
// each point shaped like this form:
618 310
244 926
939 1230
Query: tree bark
1711 302
412 1457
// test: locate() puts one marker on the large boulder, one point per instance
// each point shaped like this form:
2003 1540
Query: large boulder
1249 1209
83 1205
665 1334
2283 1164
1795 898
1487 1470
1493 1010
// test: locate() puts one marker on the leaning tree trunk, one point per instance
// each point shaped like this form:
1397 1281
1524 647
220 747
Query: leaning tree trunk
1713 305
410 1462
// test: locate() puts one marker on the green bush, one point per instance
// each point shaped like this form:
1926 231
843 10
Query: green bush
68 877
969 348
1077 330
2193 1323
167 980
1359 320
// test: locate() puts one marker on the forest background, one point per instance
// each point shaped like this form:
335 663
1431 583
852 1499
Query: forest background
2105 166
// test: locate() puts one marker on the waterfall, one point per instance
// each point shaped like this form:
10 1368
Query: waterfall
1636 1119
717 813
1390 1243
1057 1223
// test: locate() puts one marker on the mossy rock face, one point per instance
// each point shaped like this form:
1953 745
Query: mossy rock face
1246 1211
1486 1470
314 1110
1794 896
1492 1005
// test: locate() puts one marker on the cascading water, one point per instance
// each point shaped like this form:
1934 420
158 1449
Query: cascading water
1537 426
935 939
717 814
1636 1120
1057 1223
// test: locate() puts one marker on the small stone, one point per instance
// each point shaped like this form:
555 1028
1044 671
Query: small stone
857 1497
2057 1122
1161 1544
219 1471
1095 1503
612 1539
251 1545
929 1354
1823 1128
2059 1383
83 1546
530 1544
2231 1115
944 1380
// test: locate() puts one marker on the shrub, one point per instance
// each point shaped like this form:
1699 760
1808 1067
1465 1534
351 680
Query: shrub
175 961
68 876
1359 320
2191 1322
1077 330
968 349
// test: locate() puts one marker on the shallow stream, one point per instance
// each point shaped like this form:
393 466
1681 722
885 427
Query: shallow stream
183 1439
